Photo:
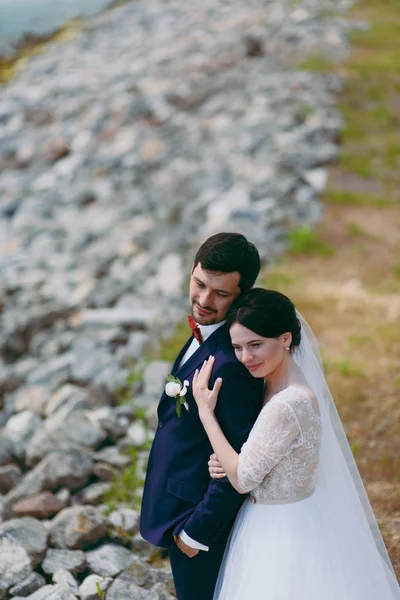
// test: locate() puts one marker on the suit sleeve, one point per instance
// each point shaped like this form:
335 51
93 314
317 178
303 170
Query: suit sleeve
239 403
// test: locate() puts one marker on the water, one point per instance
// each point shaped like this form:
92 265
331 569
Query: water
39 17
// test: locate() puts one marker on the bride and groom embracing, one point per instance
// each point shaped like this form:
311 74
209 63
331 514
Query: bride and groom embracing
278 511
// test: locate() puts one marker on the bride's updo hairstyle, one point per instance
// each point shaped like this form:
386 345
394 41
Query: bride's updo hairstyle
266 312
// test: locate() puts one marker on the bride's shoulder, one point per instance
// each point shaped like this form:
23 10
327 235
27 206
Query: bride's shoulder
295 396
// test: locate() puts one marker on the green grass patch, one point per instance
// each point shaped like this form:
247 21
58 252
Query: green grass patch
125 393
305 241
125 485
390 465
396 271
358 340
357 161
337 196
391 152
303 111
169 348
371 96
274 279
389 332
354 230
344 366
355 447
315 63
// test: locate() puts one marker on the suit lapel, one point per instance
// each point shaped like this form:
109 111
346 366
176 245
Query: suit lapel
181 355
202 353
176 364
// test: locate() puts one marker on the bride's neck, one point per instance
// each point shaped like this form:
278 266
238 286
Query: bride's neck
287 374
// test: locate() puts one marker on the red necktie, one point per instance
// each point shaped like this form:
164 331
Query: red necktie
195 330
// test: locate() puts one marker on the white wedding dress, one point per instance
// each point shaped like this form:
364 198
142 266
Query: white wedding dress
291 539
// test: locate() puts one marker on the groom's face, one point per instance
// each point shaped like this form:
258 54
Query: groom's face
211 294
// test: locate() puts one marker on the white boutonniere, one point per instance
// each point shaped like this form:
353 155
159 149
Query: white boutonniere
176 389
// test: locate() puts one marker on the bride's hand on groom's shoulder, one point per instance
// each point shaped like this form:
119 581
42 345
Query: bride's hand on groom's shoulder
206 399
215 468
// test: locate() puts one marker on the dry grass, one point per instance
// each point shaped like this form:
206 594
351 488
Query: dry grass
352 297
352 301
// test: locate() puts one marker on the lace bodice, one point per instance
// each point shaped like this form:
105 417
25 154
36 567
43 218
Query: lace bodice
278 462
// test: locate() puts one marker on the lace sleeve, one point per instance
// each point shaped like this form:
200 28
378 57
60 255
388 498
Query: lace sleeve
270 440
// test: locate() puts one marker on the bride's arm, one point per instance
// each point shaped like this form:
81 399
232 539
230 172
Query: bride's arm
206 400
228 458
270 440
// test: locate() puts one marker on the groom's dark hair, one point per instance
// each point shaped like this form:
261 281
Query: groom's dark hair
227 253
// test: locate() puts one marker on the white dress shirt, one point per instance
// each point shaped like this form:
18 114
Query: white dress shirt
206 331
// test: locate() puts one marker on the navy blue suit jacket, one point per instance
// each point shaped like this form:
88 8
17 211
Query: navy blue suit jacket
179 492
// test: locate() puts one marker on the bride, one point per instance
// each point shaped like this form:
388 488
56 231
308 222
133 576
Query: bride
307 530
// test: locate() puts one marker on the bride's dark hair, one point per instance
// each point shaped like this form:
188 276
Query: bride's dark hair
266 312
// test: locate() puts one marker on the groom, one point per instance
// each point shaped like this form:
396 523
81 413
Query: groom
183 509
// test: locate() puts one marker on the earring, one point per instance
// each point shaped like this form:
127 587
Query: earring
287 348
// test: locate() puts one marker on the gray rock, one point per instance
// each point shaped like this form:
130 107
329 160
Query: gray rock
33 582
9 476
72 472
20 430
33 398
54 372
124 587
28 533
138 581
52 592
73 561
52 473
15 565
140 545
162 591
105 472
88 588
317 178
135 347
155 375
112 456
91 361
77 527
126 519
137 433
94 493
111 317
168 279
68 395
66 580
64 495
2 508
64 431
109 559
40 506
5 456
220 211
106 419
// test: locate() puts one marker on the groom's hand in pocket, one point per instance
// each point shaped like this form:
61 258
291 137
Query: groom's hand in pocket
188 550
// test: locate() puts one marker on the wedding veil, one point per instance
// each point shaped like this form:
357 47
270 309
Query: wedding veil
338 474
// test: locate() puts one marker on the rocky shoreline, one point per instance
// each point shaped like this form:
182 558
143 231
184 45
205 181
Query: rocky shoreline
122 149
25 24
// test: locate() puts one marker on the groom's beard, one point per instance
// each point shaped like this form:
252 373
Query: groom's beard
204 319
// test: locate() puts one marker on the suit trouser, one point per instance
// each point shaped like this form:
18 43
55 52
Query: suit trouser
195 578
